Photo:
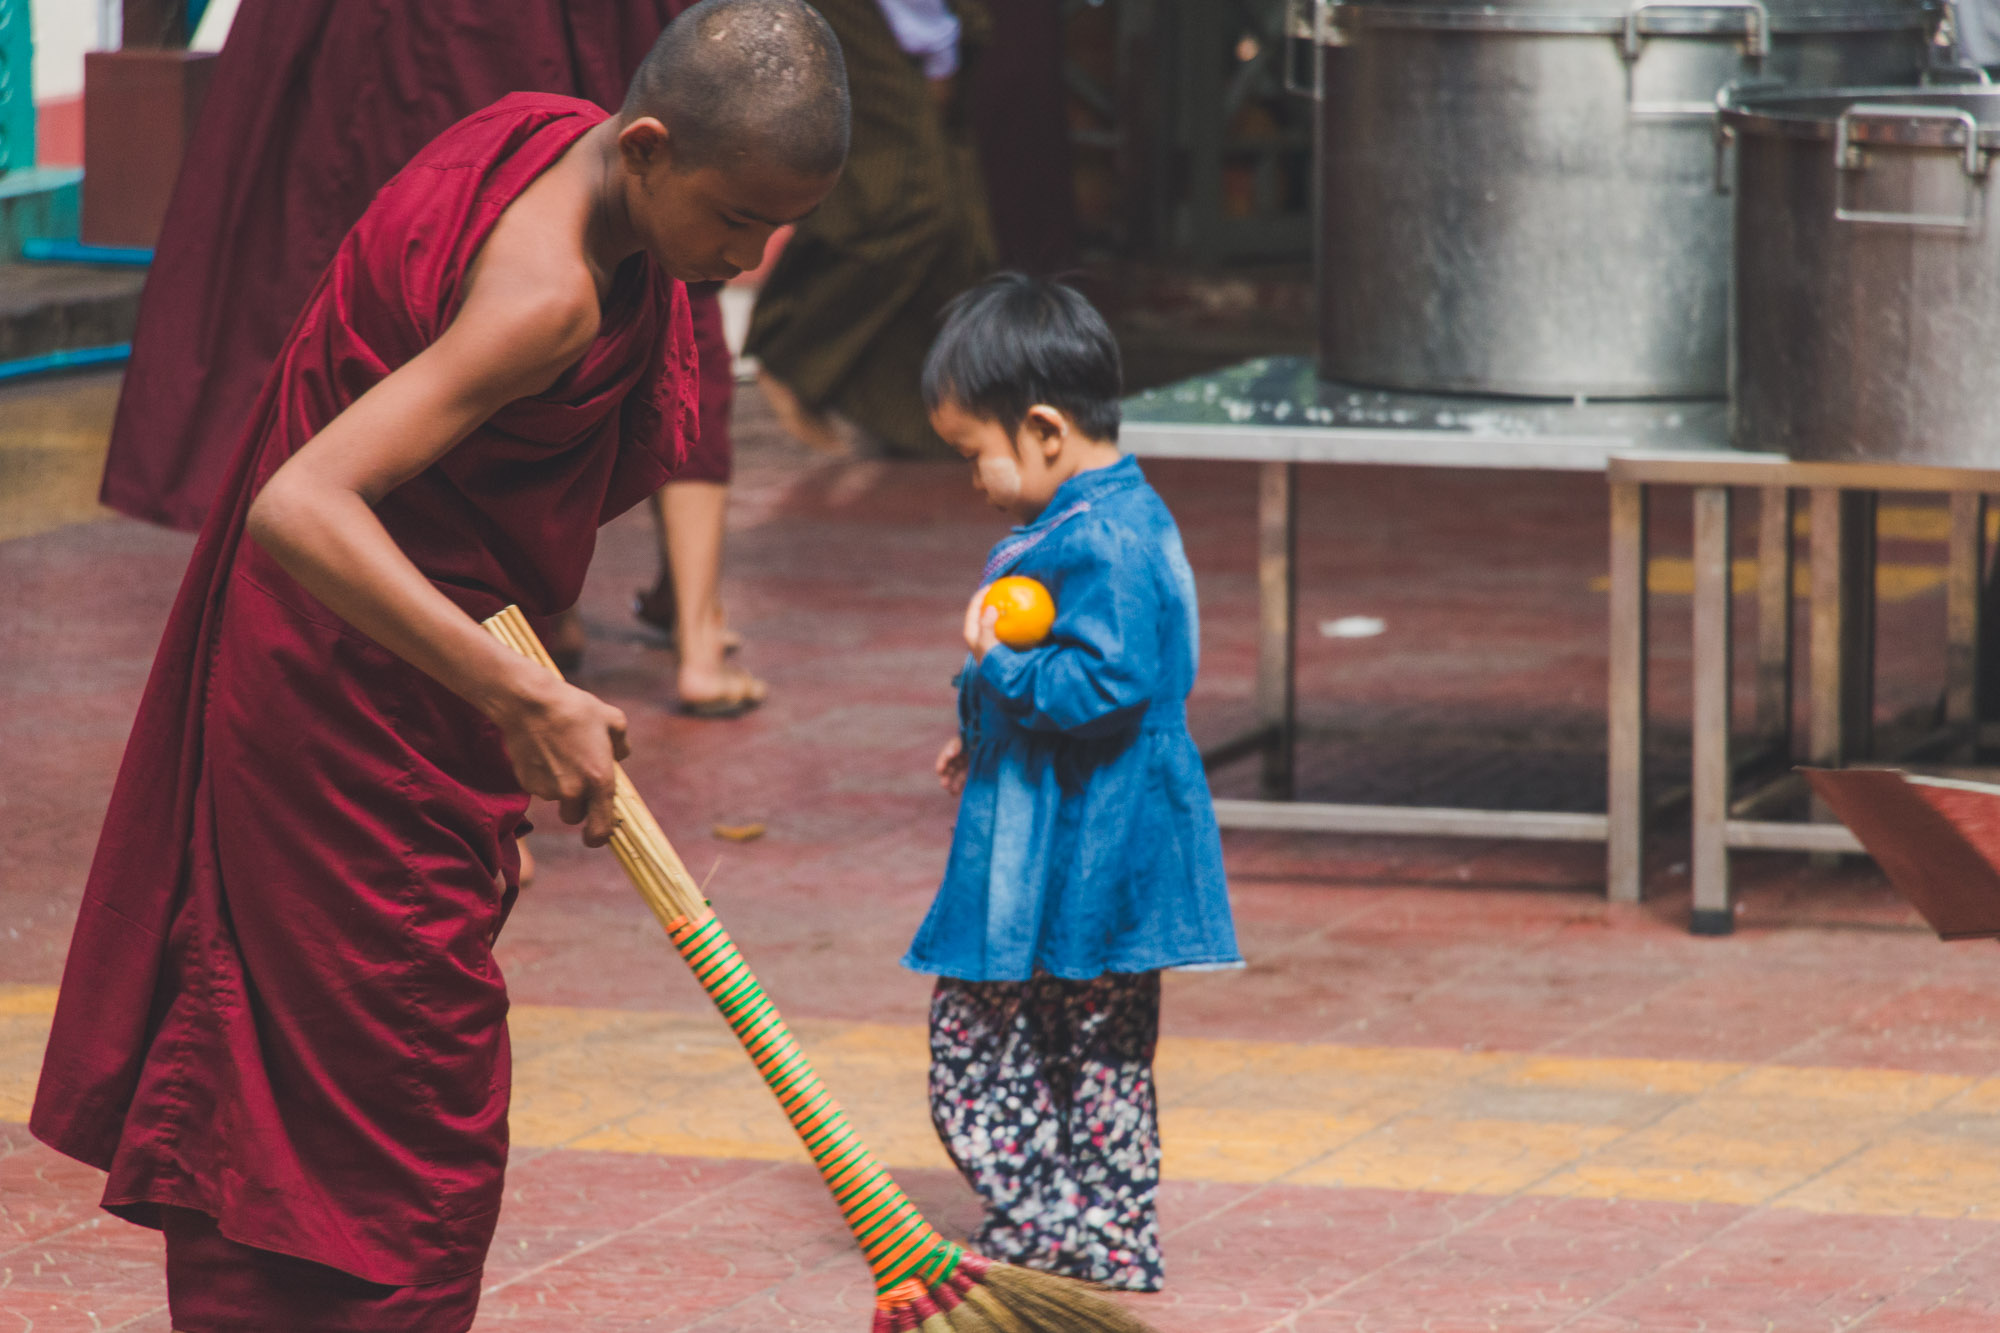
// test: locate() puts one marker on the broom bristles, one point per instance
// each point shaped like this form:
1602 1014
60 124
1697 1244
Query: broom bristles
988 1297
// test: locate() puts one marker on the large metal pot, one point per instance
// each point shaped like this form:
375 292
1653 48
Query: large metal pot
1867 308
1518 196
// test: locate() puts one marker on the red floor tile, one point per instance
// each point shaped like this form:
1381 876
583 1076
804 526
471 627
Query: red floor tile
848 581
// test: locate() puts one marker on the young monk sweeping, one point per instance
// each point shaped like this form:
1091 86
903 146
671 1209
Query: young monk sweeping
281 1028
1086 857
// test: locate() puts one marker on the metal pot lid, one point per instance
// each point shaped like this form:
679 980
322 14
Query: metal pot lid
1613 17
1910 117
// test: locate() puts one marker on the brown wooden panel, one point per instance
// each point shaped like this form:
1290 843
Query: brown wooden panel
140 109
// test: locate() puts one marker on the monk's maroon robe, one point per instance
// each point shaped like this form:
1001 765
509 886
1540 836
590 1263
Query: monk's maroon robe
314 104
280 1006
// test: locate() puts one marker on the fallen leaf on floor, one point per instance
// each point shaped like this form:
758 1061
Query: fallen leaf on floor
738 832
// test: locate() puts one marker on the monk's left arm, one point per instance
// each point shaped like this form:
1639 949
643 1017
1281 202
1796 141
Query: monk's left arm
316 518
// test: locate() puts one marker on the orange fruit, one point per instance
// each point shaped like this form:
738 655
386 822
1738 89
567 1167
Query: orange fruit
1026 611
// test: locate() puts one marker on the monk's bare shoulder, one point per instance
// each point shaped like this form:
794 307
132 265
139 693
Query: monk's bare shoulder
531 302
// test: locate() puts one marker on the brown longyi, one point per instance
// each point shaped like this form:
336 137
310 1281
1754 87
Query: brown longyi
924 1283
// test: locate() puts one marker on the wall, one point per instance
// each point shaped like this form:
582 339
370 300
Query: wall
63 31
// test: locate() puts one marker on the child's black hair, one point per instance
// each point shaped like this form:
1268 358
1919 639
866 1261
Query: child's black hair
1015 341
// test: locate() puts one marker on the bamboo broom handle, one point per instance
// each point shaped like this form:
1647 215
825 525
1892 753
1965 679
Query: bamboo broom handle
649 859
901 1247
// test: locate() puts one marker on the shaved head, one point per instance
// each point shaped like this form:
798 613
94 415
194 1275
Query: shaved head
738 81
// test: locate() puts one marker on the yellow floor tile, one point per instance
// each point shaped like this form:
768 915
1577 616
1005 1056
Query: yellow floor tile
1454 1156
1246 1146
53 435
1673 576
1868 1141
1909 1175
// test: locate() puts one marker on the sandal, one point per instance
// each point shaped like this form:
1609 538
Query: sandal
716 710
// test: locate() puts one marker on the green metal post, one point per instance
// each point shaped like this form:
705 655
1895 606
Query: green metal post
17 88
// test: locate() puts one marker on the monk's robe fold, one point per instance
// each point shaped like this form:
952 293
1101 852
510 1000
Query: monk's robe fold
280 1006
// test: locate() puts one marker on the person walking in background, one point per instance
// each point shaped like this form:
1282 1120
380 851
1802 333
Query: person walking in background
843 321
1086 856
314 105
690 516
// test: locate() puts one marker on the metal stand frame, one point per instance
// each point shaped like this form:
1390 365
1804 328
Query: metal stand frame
1275 412
1274 738
1278 623
1625 838
1843 499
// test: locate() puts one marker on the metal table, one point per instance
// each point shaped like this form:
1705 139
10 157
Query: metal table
1840 703
1276 412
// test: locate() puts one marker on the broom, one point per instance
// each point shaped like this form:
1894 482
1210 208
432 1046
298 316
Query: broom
924 1283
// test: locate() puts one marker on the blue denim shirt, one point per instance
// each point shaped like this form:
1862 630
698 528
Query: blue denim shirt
1086 839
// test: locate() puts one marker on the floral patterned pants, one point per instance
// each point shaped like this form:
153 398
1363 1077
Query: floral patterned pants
1043 1094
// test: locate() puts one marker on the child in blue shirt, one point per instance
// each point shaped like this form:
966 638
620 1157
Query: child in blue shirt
1085 857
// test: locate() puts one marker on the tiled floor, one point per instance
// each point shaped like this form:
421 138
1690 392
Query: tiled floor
1452 1091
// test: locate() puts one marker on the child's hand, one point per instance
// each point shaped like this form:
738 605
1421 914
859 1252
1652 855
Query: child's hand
951 765
979 622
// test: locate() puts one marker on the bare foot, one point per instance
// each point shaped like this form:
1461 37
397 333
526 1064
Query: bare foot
710 684
527 863
730 692
818 431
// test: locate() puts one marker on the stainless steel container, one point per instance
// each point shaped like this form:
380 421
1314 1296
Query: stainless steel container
1867 307
1518 195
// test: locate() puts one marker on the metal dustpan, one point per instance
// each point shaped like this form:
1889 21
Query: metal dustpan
1937 839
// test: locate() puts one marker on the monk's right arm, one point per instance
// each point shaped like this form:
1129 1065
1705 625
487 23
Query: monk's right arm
316 518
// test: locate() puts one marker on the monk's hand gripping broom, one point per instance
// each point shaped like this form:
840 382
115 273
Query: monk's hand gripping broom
924 1283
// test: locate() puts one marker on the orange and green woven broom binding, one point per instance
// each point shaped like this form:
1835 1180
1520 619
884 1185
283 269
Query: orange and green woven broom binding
908 1256
924 1283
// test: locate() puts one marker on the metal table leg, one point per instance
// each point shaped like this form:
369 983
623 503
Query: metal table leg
1964 563
1626 743
1843 631
1277 639
1828 634
1857 588
1826 740
1774 620
1712 657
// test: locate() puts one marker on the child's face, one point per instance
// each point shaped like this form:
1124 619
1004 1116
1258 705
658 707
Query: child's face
1018 473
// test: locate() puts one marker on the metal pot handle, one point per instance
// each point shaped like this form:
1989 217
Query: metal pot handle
1848 159
1725 133
1756 45
1315 32
1946 75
